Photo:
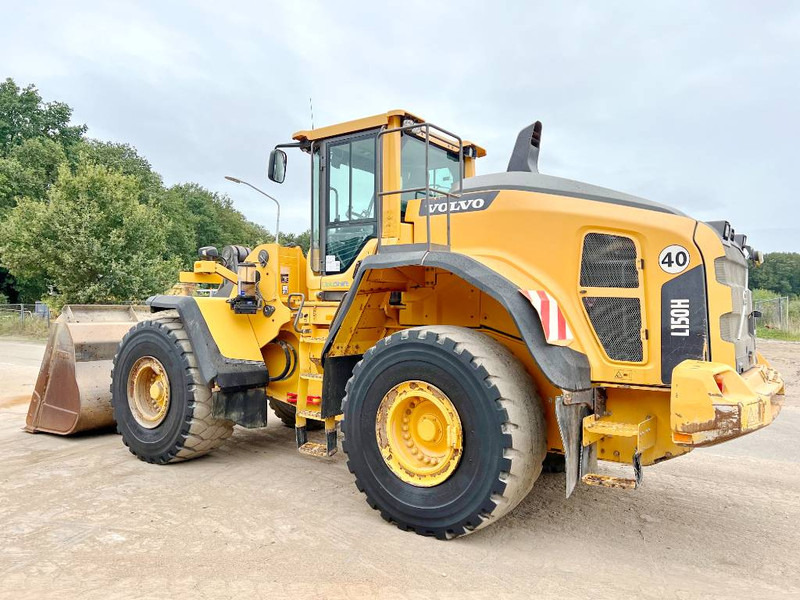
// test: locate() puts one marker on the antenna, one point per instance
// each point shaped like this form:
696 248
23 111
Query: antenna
311 107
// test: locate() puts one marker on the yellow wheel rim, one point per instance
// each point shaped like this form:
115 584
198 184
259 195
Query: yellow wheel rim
419 433
148 392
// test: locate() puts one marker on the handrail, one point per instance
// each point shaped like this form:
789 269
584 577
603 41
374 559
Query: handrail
427 188
299 314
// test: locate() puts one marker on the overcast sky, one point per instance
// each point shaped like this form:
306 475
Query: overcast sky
695 105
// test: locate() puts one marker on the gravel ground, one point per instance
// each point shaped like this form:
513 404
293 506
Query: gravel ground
82 518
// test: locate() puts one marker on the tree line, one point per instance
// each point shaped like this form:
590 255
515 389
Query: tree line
88 221
780 274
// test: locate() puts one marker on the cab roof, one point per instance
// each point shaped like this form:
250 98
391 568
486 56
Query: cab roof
367 123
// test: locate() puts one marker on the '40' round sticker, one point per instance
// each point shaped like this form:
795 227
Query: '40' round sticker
673 259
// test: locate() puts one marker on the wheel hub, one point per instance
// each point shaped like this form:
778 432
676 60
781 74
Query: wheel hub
419 433
148 392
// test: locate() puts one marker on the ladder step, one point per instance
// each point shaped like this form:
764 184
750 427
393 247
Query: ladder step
620 483
310 339
643 434
613 428
311 376
314 449
310 414
330 446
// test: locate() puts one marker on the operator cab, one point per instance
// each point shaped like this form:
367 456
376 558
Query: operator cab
363 175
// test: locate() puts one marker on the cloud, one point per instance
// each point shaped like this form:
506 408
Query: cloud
691 105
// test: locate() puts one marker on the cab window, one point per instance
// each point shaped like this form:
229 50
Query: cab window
442 168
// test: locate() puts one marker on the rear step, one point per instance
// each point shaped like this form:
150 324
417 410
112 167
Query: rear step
644 437
330 446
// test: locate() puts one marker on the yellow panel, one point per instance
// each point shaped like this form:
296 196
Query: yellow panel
395 116
547 257
190 277
350 126
232 333
340 281
390 225
283 274
633 406
711 402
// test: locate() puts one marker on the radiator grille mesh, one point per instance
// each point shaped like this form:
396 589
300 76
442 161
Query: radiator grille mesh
609 261
618 324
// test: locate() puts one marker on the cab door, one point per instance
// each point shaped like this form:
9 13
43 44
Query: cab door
345 215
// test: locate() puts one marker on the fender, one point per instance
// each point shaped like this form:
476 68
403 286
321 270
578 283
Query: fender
564 367
227 373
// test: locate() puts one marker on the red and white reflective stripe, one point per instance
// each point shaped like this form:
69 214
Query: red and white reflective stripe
553 322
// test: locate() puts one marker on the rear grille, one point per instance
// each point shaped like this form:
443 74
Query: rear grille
731 270
618 324
609 261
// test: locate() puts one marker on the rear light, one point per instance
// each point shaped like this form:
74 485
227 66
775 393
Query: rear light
720 383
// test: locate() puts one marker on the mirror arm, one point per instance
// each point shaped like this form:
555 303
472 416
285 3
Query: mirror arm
301 145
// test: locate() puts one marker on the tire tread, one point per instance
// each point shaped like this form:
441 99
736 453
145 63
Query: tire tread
201 432
518 411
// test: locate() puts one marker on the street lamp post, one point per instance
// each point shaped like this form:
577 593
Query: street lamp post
263 193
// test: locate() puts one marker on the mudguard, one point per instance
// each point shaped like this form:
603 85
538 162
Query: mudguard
227 373
564 367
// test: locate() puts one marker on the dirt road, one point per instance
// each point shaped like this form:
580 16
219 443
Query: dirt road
81 517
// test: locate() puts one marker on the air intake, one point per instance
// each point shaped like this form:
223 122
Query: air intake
609 261
618 324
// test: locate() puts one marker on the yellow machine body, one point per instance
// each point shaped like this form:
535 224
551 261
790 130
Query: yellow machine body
537 239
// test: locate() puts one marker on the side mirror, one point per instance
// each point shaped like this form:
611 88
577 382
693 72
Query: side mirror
277 166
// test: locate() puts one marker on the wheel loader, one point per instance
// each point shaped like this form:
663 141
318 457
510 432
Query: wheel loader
453 332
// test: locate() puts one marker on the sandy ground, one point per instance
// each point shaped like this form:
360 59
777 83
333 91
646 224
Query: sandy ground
81 517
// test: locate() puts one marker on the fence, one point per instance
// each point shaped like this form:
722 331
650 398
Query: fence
24 312
775 314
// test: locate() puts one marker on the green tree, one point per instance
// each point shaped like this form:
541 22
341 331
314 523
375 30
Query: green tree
24 115
29 170
780 273
124 159
297 239
204 218
92 241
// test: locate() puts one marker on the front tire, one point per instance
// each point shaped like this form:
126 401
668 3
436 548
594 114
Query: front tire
162 407
499 419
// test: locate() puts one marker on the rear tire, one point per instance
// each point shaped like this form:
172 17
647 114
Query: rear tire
504 437
188 429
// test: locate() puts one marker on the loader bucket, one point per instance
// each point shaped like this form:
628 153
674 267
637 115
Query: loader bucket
73 390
